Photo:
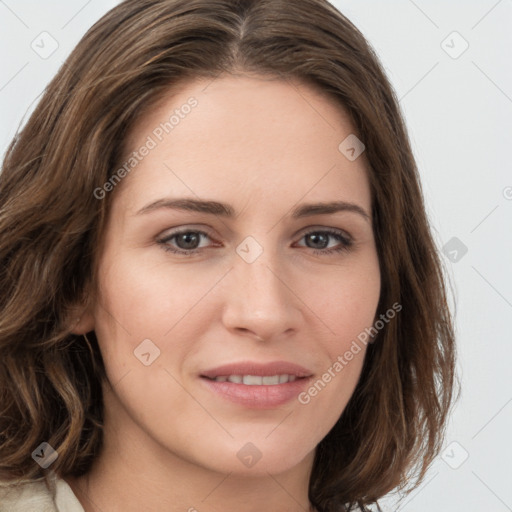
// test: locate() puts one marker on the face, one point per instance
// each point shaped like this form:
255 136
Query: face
224 296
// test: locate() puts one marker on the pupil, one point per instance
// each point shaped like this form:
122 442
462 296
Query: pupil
319 238
190 240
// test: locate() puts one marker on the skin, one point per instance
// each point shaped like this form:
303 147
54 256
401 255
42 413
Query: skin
263 146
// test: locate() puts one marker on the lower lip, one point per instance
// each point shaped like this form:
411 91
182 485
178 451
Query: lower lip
258 397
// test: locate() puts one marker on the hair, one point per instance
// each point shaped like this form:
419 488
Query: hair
51 226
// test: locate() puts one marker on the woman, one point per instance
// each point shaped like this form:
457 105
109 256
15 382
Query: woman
220 287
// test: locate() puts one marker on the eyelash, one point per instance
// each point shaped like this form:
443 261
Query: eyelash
346 243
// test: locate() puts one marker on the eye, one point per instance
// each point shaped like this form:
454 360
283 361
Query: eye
319 241
188 241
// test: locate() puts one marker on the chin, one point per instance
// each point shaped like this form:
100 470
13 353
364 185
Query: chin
257 458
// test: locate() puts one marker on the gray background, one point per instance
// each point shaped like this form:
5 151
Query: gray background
458 107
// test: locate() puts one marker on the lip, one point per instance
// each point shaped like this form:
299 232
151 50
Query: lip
257 397
260 369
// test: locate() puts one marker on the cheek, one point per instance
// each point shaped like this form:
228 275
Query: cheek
346 302
146 298
324 401
141 300
347 306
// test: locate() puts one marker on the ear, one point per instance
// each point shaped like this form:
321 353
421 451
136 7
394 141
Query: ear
80 319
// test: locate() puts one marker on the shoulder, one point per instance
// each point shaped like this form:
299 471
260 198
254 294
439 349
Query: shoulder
38 496
26 496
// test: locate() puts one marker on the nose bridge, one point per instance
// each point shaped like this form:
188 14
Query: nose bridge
261 282
258 299
256 261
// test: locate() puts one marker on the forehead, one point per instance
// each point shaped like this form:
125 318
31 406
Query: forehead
237 135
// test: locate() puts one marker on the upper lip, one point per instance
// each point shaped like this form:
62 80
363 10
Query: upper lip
255 368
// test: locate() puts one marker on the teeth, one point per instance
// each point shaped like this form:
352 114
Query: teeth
252 380
256 380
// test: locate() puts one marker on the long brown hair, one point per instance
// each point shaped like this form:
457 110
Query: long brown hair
51 224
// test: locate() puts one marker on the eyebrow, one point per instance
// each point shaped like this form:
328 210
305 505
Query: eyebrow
225 210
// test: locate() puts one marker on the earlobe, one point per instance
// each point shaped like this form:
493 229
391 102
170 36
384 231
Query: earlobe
81 321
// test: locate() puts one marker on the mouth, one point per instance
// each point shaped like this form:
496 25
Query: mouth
256 380
257 385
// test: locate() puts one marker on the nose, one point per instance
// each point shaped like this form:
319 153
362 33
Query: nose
259 302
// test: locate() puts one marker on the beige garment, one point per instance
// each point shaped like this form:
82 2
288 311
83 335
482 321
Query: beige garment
36 496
